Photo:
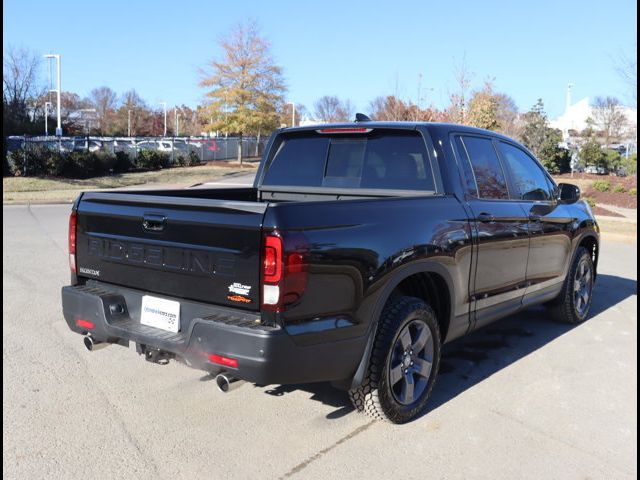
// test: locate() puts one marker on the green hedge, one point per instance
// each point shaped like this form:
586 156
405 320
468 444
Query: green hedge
39 161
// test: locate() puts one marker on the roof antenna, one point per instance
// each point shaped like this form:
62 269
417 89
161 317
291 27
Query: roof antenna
361 117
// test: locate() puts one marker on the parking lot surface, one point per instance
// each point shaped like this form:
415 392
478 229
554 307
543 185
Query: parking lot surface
523 398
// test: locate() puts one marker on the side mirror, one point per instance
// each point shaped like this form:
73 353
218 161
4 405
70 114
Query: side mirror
568 193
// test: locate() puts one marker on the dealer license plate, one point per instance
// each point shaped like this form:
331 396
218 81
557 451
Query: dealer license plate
160 313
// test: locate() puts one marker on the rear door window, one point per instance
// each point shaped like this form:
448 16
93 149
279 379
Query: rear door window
486 167
379 160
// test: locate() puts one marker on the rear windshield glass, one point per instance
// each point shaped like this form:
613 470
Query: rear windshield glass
393 160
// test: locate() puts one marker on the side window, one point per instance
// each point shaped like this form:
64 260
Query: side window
467 174
529 180
487 169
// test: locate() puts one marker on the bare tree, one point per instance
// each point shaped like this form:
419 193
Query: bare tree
188 123
458 107
105 101
288 113
608 117
509 119
133 116
627 67
20 87
348 111
74 121
390 108
396 109
330 109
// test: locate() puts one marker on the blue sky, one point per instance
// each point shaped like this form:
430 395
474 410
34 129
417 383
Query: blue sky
356 50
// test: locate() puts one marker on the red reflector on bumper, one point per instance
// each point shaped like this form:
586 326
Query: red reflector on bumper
85 324
226 361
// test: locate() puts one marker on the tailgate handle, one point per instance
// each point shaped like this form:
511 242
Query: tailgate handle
153 223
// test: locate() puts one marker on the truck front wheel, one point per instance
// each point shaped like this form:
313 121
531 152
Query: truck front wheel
573 304
404 362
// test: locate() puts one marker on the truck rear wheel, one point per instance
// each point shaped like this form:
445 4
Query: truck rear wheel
404 362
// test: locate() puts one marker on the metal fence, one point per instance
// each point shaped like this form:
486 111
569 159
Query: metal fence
205 148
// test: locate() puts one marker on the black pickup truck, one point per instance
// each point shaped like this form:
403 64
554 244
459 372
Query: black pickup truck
360 249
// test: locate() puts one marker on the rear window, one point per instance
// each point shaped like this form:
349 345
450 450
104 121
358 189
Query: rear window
393 160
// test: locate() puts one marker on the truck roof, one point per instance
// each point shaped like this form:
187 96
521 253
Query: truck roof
440 126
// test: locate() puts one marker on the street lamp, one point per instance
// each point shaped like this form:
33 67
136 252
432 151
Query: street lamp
164 105
177 125
293 113
57 57
129 122
46 118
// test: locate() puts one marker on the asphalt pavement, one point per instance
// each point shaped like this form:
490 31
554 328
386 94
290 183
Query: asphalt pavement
523 398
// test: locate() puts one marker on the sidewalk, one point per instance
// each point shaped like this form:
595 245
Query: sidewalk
630 213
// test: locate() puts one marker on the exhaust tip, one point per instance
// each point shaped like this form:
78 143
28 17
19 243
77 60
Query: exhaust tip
223 383
226 382
91 344
88 343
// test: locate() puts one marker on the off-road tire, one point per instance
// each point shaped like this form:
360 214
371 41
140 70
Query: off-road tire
563 308
374 396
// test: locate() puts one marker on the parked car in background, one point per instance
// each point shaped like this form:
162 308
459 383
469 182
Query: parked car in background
159 145
210 145
602 171
124 144
591 169
181 146
83 144
620 172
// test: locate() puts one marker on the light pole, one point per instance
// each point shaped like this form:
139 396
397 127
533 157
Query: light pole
293 113
57 57
164 106
567 126
128 123
177 125
46 118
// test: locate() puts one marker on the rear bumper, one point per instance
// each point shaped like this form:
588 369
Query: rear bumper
265 355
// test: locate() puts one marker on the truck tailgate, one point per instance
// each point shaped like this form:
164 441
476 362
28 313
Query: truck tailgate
195 248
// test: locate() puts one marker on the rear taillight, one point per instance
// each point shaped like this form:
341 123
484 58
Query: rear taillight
272 259
284 270
73 227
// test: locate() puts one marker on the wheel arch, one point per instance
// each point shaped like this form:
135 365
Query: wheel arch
592 243
426 280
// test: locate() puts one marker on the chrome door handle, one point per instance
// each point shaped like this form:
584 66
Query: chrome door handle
485 217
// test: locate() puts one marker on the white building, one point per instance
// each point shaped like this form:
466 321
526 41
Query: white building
576 115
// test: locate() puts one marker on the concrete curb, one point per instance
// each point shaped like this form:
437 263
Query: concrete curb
606 218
